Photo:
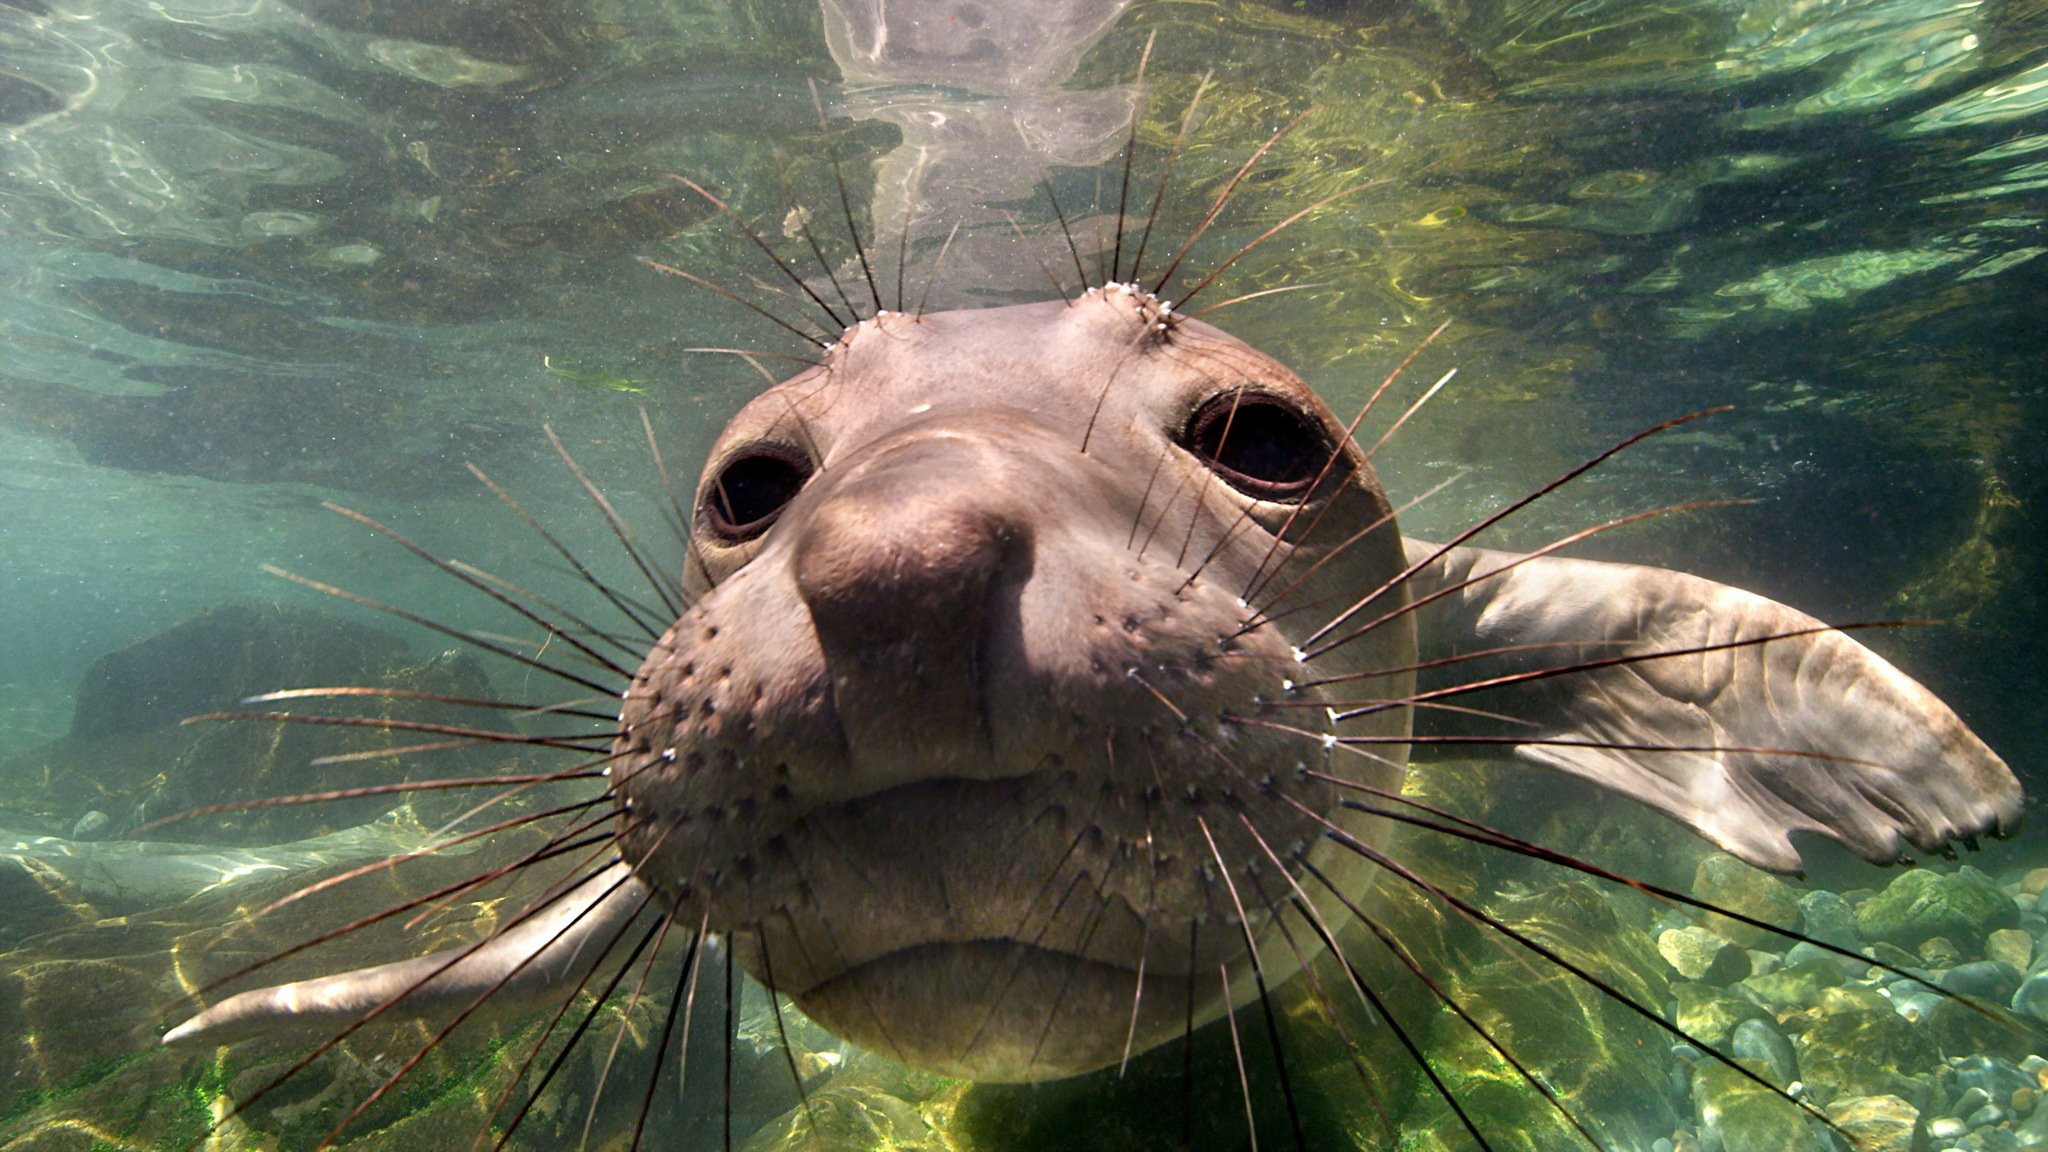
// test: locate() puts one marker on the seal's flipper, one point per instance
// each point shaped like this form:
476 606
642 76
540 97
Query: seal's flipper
1891 761
549 950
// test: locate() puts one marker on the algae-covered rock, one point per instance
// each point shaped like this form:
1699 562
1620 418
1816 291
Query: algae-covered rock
1922 903
131 755
1856 1045
1876 1123
1727 882
1761 1042
1708 1015
2010 946
1796 986
1826 917
1743 1116
1697 954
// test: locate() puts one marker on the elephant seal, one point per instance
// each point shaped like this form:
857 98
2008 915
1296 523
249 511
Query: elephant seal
1030 652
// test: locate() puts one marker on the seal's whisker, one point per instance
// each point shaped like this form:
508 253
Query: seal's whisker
1017 230
1409 412
1493 518
684 999
373 1014
1306 909
555 847
1590 665
1392 943
1223 198
482 998
1198 313
434 626
678 509
619 602
618 1035
1251 945
396 751
1260 577
1073 250
1244 1083
740 222
782 1034
931 275
1180 558
1414 965
390 862
1093 921
811 338
581 772
1265 614
566 708
1123 188
1447 823
1418 603
582 743
1269 233
845 199
664 585
1145 498
1180 139
1592 980
655 935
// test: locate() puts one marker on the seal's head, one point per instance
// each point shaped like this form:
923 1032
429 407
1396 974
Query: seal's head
970 742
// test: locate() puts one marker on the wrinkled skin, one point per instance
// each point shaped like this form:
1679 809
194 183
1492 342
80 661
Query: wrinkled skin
966 729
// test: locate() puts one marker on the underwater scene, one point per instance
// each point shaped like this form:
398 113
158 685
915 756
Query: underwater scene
952 575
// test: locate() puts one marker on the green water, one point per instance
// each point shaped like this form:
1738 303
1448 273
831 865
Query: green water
261 255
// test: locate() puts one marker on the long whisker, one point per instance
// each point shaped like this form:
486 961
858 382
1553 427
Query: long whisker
1420 602
1222 198
611 596
1496 517
655 934
1251 945
726 209
1268 234
664 585
1180 139
1123 191
671 270
1615 995
1073 250
1257 583
782 1035
845 202
625 1026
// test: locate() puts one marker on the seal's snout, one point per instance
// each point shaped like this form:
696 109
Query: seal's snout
902 562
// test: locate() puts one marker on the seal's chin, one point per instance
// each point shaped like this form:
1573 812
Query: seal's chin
998 1010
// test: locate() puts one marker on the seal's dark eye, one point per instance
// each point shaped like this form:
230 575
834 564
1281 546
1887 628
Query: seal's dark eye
751 490
1259 445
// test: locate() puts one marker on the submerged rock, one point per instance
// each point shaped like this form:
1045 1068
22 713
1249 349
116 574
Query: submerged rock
1708 1014
2011 946
1856 1045
1828 918
131 755
1876 1123
1725 881
1741 1115
1922 904
1698 954
1759 1040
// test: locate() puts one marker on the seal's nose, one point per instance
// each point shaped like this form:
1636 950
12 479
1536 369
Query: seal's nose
901 562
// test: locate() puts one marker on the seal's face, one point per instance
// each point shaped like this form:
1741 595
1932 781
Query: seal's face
961 742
